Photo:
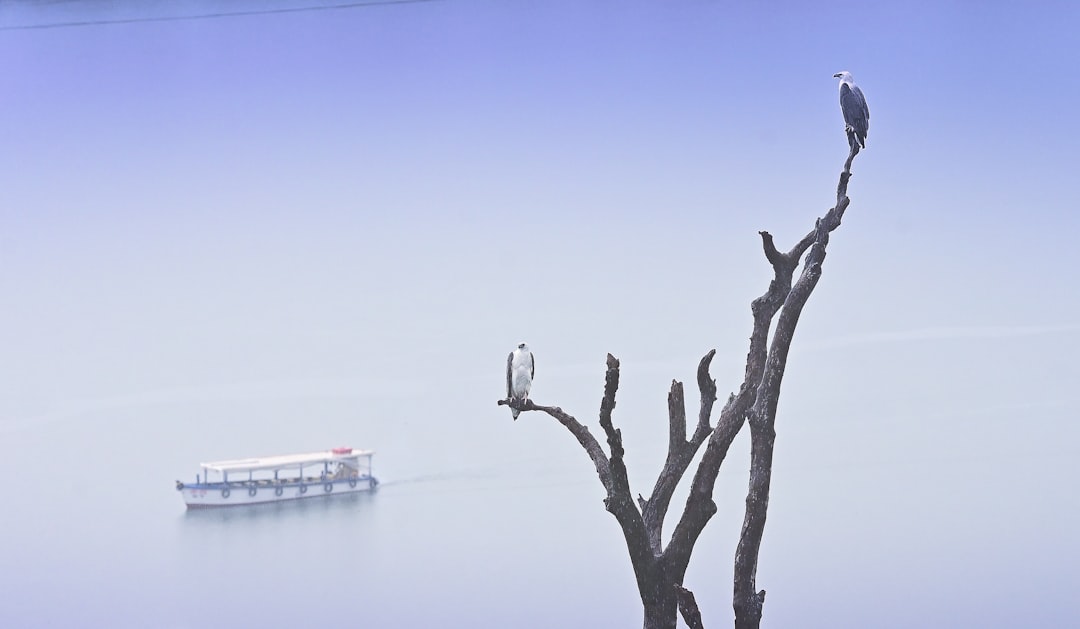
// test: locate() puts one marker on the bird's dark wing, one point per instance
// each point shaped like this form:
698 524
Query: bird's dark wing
532 365
865 107
853 104
509 370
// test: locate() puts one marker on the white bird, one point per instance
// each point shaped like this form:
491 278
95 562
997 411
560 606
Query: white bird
520 369
853 104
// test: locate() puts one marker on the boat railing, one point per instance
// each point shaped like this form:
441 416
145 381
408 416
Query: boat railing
274 482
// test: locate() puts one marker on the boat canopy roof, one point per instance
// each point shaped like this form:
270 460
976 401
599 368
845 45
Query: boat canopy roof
287 461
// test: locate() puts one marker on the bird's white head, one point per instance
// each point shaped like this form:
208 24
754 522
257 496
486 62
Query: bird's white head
845 77
523 346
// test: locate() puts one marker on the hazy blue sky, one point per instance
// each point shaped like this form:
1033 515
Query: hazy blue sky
207 222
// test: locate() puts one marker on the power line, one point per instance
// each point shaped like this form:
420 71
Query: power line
210 16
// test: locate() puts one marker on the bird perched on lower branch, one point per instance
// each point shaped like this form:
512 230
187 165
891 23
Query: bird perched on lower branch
520 369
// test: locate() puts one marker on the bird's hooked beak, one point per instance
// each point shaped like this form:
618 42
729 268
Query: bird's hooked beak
521 346
836 76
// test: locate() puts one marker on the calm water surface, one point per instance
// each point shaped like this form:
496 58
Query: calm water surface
95 535
481 523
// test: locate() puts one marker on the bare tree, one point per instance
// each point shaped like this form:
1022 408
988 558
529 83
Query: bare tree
660 568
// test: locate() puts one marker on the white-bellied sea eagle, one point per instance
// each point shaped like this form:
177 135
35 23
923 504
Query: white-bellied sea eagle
520 369
853 104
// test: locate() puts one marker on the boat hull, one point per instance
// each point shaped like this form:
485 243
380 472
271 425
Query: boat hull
204 495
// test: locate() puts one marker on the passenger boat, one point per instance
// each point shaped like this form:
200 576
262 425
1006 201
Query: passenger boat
280 478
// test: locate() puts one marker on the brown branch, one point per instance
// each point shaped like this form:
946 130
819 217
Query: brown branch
707 389
853 143
680 451
762 416
619 501
654 509
688 607
832 217
581 432
619 490
700 506
774 257
747 601
676 418
612 473
611 386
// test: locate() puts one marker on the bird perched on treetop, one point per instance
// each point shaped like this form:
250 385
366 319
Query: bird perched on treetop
853 104
520 369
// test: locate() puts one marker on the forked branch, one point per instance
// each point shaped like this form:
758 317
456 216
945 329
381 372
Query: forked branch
747 600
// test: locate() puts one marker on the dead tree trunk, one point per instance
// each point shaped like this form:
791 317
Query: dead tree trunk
660 569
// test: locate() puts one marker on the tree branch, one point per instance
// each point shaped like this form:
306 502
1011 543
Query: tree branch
700 506
676 418
707 389
688 607
747 601
607 405
611 470
680 451
581 432
619 501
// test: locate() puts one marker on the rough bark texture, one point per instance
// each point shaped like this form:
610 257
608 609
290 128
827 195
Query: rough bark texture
660 570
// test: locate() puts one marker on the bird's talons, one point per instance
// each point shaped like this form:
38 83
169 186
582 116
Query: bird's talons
521 405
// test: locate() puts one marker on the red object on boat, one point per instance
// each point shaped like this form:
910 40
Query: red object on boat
342 450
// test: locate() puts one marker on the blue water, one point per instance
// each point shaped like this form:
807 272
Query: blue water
485 522
95 534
